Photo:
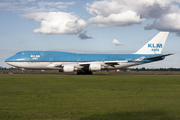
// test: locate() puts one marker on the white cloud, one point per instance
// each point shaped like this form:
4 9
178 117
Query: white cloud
104 8
54 3
60 5
116 42
31 6
169 22
49 16
128 12
26 1
120 19
3 5
57 23
141 7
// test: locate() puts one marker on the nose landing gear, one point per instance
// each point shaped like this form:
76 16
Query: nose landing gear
23 71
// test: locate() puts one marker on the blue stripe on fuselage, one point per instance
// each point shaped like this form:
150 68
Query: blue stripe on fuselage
54 56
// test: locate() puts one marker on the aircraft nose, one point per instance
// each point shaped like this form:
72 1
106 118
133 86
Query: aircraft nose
8 59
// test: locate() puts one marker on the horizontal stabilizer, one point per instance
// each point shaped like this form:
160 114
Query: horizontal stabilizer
151 58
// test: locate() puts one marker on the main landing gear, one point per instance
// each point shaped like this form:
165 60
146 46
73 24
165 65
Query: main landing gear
86 72
23 71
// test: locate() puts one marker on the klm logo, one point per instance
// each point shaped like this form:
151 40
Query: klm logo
155 47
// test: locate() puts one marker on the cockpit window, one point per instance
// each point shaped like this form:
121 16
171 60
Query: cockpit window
18 53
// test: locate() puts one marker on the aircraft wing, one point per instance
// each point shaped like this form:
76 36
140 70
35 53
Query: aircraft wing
55 65
81 64
84 64
59 65
111 63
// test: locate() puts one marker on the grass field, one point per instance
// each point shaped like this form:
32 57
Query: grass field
95 73
97 97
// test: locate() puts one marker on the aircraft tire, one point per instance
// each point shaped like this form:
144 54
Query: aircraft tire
23 73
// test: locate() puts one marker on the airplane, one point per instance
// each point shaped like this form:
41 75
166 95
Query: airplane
87 63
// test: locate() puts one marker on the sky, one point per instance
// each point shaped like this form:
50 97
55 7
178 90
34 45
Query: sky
89 26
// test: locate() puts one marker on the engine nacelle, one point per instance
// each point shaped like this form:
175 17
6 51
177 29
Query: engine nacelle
95 67
67 68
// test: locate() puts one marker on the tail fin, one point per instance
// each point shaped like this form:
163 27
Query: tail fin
155 45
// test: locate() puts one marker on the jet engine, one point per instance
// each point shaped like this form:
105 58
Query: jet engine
67 68
95 67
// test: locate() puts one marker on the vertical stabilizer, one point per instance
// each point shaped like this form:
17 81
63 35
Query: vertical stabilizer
155 45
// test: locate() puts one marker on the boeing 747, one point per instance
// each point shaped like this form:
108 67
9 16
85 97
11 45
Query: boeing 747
86 63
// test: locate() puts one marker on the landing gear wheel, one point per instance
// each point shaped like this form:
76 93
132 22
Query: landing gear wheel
23 72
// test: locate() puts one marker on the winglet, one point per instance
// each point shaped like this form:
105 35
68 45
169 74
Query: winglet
155 45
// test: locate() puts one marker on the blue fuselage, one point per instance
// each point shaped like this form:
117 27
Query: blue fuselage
54 56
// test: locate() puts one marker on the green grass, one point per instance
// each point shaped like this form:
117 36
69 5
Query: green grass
97 97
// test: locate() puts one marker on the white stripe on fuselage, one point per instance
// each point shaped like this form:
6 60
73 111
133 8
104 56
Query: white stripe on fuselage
56 65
